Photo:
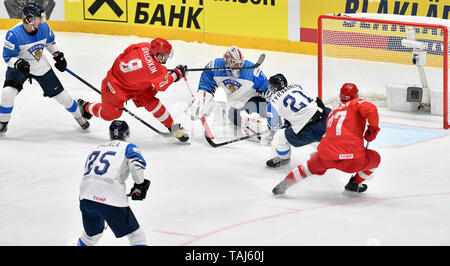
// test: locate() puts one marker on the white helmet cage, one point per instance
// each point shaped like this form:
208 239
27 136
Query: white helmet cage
234 58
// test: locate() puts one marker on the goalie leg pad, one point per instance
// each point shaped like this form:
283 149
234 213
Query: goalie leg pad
253 123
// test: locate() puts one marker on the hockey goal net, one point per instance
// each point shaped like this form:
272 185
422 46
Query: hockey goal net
380 52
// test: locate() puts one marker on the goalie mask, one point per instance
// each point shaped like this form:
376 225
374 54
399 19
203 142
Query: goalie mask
277 82
119 130
234 58
161 50
34 15
349 91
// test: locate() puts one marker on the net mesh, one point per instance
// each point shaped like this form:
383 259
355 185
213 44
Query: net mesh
372 55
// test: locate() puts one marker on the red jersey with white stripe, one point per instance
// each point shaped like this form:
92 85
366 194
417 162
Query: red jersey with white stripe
345 129
139 73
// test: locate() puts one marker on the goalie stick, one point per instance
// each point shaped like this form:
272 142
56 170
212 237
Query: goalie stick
125 109
215 145
257 64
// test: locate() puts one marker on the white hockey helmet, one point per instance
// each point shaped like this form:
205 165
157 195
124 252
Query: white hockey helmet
234 58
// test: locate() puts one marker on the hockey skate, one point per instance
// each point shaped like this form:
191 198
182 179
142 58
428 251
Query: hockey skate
281 187
277 162
82 105
354 187
84 124
178 132
3 128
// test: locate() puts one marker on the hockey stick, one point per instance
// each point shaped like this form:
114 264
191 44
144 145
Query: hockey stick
125 109
215 145
258 63
204 123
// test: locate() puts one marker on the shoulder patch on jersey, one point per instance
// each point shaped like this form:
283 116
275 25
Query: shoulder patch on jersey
10 45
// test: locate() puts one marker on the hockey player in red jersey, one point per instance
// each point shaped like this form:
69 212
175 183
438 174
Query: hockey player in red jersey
342 146
138 74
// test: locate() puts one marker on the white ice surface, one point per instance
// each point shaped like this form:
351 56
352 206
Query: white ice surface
205 196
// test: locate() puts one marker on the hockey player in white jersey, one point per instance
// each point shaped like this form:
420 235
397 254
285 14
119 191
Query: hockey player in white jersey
246 89
304 118
102 190
23 52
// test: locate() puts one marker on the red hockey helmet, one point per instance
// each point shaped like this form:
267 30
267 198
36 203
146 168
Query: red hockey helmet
349 91
161 46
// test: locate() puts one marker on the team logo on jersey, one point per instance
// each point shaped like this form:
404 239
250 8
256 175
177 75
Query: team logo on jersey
36 51
232 85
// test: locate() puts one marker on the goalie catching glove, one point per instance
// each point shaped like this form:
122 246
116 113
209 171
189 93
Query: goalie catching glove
201 105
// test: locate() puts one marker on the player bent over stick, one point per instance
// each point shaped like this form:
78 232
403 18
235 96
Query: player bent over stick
342 147
102 189
23 53
305 118
138 74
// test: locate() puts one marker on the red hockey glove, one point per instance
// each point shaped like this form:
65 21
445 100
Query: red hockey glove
180 72
371 133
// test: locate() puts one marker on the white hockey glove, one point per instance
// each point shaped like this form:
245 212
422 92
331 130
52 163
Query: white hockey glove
254 123
201 105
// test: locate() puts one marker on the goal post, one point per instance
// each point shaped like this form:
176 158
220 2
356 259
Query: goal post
384 55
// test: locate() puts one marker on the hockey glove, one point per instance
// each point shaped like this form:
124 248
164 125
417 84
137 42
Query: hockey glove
139 191
371 133
180 72
23 66
61 62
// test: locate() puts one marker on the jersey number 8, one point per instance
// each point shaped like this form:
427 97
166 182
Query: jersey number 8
132 65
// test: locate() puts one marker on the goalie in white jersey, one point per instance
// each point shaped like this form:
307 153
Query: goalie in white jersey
102 190
304 118
23 52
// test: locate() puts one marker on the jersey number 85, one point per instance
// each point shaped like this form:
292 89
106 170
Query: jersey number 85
103 164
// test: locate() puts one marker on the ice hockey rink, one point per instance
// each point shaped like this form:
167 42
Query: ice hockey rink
205 196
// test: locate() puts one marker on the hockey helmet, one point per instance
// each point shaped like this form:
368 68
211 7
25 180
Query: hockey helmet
234 58
349 91
277 82
119 130
33 10
163 47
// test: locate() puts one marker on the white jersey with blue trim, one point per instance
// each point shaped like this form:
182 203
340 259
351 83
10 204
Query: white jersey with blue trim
19 44
238 90
106 170
291 103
